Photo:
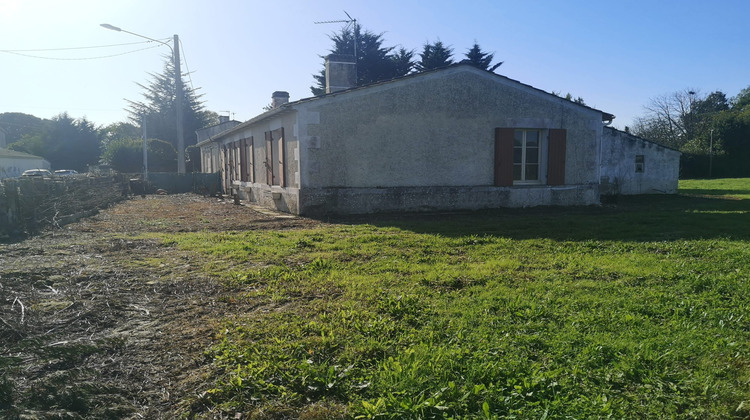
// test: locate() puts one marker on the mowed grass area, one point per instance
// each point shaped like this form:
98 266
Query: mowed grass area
637 310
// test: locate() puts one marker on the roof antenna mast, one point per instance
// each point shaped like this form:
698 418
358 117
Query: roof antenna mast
349 23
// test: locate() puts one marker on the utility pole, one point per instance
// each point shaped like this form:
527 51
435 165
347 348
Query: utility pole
145 149
711 155
178 105
179 94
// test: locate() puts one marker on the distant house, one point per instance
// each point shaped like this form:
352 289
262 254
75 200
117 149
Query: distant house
12 163
453 138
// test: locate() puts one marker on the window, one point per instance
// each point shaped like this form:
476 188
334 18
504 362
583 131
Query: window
246 160
640 164
275 157
236 169
530 156
526 156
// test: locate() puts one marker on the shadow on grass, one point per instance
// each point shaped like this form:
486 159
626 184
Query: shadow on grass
632 218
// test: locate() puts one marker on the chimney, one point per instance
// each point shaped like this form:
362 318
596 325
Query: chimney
279 98
341 72
223 119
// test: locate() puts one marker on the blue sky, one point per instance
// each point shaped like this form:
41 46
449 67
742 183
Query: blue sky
615 55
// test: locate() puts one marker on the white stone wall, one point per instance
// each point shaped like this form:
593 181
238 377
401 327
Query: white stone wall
661 165
436 130
425 142
258 191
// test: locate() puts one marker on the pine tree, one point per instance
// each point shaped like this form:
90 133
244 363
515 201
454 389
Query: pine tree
159 104
403 61
374 61
478 58
434 56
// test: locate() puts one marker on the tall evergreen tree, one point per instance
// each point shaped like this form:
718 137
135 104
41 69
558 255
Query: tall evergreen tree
403 61
374 61
158 107
434 56
480 59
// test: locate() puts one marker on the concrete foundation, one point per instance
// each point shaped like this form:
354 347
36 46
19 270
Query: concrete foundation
331 201
272 197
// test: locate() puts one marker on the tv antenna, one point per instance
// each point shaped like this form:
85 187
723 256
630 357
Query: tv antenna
349 23
230 114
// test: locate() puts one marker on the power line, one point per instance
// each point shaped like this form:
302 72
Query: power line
74 48
24 52
187 68
77 59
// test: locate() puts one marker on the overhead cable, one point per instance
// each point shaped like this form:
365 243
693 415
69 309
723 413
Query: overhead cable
79 58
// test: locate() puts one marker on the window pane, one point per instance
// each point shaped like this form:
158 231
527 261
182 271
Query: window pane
532 172
516 172
532 139
518 138
517 155
532 155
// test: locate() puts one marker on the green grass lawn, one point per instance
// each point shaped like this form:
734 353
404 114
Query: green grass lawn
634 310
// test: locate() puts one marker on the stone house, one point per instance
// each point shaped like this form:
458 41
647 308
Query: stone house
453 138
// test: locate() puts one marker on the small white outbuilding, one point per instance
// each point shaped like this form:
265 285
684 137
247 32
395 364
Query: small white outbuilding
12 163
633 165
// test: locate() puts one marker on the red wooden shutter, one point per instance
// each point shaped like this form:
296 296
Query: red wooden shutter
504 156
250 161
236 161
278 135
556 162
243 159
225 168
269 158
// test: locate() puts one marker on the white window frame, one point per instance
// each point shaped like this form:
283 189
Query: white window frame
542 157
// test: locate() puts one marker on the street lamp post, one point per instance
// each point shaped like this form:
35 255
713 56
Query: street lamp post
711 155
145 148
178 95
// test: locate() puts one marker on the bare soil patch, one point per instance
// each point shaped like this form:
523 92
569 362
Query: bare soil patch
96 322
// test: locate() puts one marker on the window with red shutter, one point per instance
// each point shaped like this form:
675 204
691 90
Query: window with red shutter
520 153
275 156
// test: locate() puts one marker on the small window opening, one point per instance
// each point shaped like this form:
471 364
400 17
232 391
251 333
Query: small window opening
640 164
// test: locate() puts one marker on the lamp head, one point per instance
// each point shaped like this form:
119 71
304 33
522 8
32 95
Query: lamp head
111 27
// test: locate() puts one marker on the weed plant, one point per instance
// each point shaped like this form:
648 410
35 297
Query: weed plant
638 310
